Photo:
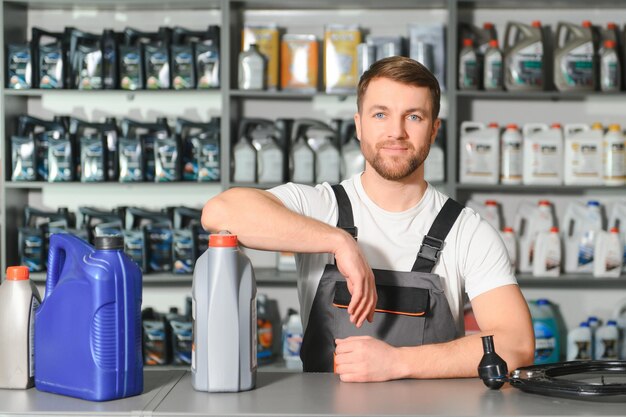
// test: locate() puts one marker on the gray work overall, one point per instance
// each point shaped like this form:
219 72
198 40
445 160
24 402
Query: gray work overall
412 308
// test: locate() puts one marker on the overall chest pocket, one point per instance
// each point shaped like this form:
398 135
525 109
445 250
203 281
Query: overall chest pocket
399 317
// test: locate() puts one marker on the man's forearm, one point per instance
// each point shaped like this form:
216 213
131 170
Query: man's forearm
260 221
460 358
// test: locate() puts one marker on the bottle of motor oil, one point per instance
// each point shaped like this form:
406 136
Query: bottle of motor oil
201 149
157 237
323 139
223 356
435 163
511 162
147 133
547 254
480 153
608 253
43 133
156 57
49 58
547 338
352 159
130 160
469 74
618 220
88 327
89 218
530 220
492 73
168 156
292 340
579 343
93 139
265 331
594 324
524 66
252 69
583 154
19 66
301 160
23 158
244 160
543 154
581 225
35 234
156 337
206 56
270 153
610 68
607 342
110 55
613 156
139 50
186 240
510 242
19 299
181 338
86 61
111 136
574 58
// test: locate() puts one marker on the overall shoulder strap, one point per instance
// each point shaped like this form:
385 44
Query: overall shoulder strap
345 219
432 244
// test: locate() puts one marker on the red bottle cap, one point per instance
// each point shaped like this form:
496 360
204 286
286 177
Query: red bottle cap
468 42
586 24
491 203
554 229
222 241
609 44
536 23
512 126
17 273
545 203
508 229
493 43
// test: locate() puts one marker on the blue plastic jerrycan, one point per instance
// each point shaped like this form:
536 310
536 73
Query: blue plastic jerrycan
88 327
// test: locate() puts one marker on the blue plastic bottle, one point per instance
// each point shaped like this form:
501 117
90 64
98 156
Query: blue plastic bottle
547 340
88 328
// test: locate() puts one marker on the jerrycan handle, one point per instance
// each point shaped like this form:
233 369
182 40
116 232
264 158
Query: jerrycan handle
561 34
511 28
529 128
575 127
469 126
62 246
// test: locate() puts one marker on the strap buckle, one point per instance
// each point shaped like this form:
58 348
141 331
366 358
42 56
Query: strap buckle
431 248
353 231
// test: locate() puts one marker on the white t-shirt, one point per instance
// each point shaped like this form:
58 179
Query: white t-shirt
473 260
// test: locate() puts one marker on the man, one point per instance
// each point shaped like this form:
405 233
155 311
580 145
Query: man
412 301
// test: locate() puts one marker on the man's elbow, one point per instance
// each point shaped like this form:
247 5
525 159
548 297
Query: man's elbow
213 214
527 352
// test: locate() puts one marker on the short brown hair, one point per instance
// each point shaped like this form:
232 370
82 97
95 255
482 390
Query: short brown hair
403 70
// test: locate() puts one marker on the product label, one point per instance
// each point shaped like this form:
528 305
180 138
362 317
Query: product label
587 159
130 70
583 349
166 163
545 160
34 305
131 169
493 71
208 161
60 161
92 161
207 66
182 73
340 59
90 71
51 68
526 67
480 159
614 161
609 349
511 160
469 71
19 66
157 70
577 66
586 248
23 159
545 342
610 73
293 342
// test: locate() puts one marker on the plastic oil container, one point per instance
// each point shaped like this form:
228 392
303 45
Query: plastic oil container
480 153
581 225
492 72
510 242
583 154
574 60
607 342
547 338
19 299
292 340
530 220
609 255
610 68
613 156
469 69
618 219
490 211
579 343
547 254
223 356
88 327
543 154
524 57
302 161
511 162
244 160
352 159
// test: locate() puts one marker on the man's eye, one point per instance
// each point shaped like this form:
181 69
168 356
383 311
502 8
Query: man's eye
414 117
379 115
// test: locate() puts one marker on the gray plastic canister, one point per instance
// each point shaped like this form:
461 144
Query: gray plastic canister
574 59
19 299
223 356
524 57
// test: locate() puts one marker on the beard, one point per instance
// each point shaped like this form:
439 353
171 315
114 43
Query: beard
394 168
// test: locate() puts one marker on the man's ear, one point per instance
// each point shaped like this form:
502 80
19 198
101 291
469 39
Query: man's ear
357 125
436 126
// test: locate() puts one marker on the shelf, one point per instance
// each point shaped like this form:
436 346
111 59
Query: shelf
537 95
543 189
287 95
343 4
40 185
268 277
537 4
68 93
567 281
119 4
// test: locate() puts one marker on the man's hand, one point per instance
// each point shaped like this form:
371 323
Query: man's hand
360 279
365 359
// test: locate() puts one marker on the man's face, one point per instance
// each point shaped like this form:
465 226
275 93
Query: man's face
395 127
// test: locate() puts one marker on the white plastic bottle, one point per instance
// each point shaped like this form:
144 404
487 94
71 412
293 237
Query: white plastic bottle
583 154
607 342
19 299
543 154
468 67
608 254
547 254
579 343
493 68
610 69
529 221
613 156
510 242
580 227
594 324
245 161
511 155
292 340
480 153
